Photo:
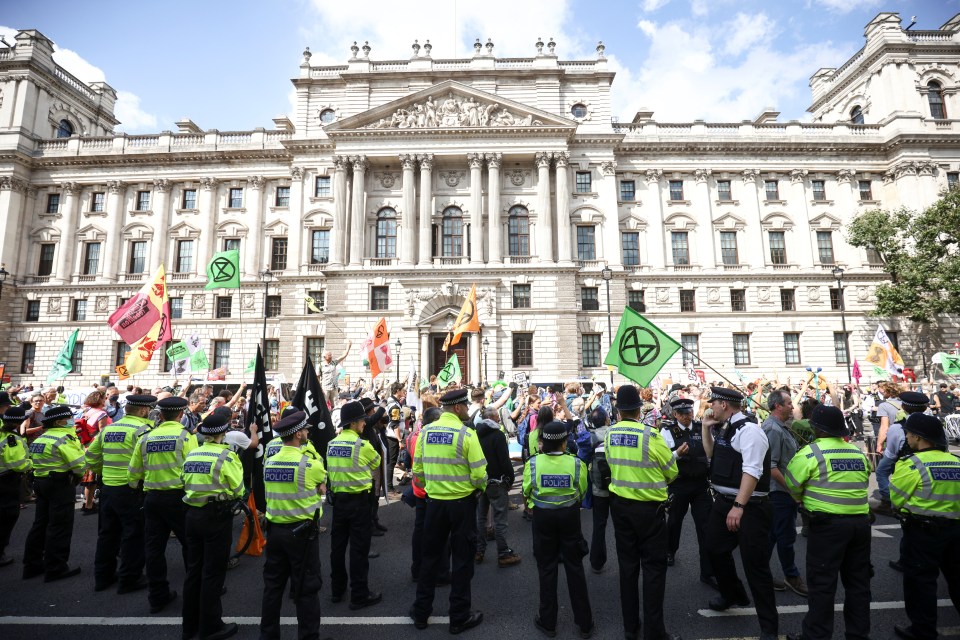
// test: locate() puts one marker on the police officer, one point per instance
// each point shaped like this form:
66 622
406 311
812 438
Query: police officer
691 488
831 477
641 466
352 460
394 431
57 468
294 482
555 483
14 463
449 463
120 528
741 513
157 461
925 489
372 434
212 480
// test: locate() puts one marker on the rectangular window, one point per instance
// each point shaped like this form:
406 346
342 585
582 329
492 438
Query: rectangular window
840 347
231 244
772 189
866 190
45 268
278 254
221 353
628 190
676 190
741 348
688 300
788 300
143 201
521 296
836 300
189 199
314 347
319 246
98 201
680 247
586 243
523 350
791 348
235 199
273 306
224 306
894 337
819 191
77 359
166 364
283 197
589 298
590 347
79 311
91 259
176 308
691 348
33 311
53 203
953 179
184 256
120 353
636 302
825 246
778 247
873 256
138 256
630 246
271 355
728 247
584 182
322 187
319 301
738 300
379 298
723 190
27 356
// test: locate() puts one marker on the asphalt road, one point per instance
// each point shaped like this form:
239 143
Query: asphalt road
507 597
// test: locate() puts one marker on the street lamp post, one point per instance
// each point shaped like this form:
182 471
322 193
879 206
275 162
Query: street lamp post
838 274
3 276
266 276
922 342
398 344
486 362
607 274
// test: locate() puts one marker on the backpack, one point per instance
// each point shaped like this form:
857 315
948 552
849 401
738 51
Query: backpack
87 431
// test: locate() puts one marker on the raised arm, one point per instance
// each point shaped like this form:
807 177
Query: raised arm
345 353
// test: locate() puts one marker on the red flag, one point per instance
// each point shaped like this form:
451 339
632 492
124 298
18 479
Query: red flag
377 349
141 313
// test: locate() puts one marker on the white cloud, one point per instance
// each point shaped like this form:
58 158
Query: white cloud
652 5
846 6
747 31
132 118
699 7
75 64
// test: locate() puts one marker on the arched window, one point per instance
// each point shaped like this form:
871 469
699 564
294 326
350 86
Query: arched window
856 115
938 110
327 116
386 233
64 129
452 233
518 231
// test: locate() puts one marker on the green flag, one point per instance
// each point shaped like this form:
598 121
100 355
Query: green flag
64 361
450 372
950 364
223 272
881 372
640 348
178 351
198 360
251 366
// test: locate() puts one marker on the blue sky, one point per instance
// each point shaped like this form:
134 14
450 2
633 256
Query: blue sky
228 64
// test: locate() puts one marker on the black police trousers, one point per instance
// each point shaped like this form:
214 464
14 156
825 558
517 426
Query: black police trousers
48 542
120 531
838 545
295 558
598 537
927 551
753 538
557 538
208 532
9 506
692 494
351 526
640 530
416 540
163 512
456 521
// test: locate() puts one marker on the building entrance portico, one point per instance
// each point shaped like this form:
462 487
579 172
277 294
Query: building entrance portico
439 357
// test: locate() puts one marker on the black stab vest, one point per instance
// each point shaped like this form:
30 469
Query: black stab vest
695 465
727 464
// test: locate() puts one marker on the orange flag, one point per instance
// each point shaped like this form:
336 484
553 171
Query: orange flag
467 319
377 349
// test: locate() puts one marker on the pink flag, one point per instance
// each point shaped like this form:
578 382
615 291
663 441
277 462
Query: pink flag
856 372
135 318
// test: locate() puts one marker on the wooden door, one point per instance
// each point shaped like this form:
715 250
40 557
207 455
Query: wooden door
440 357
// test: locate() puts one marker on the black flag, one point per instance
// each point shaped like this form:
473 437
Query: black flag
259 408
309 398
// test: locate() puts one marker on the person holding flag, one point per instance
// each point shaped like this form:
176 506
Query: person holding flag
328 374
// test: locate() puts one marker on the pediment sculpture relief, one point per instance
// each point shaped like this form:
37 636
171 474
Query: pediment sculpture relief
451 111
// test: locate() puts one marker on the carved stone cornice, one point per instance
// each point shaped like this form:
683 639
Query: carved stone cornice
608 167
72 188
845 176
750 175
702 175
889 177
542 158
561 159
208 183
494 160
115 186
475 160
255 182
654 176
907 168
927 168
296 173
9 183
408 161
161 185
797 176
360 163
340 163
426 161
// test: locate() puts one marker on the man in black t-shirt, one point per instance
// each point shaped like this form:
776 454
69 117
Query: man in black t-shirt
943 401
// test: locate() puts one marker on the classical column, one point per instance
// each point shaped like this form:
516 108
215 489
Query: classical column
358 210
207 206
607 194
12 226
561 161
476 207
848 193
338 234
296 213
475 355
68 242
707 252
656 237
495 246
249 245
798 207
113 251
408 251
544 247
928 183
425 355
426 209
25 250
161 209
752 254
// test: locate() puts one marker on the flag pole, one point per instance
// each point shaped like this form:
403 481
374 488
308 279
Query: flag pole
707 364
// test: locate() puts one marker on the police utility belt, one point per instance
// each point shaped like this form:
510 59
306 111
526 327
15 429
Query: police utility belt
732 497
927 523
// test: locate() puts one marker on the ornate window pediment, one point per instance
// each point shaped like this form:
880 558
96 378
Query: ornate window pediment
586 215
777 222
184 231
632 220
679 222
137 231
91 233
231 229
729 222
46 234
319 219
825 222
276 228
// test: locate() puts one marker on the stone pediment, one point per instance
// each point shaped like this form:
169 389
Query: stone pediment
450 105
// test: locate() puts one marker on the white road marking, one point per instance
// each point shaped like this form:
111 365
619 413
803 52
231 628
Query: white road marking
94 621
797 608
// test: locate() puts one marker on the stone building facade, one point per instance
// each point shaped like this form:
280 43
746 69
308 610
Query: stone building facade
396 185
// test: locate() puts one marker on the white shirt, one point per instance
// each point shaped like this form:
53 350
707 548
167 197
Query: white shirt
668 437
751 443
238 440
